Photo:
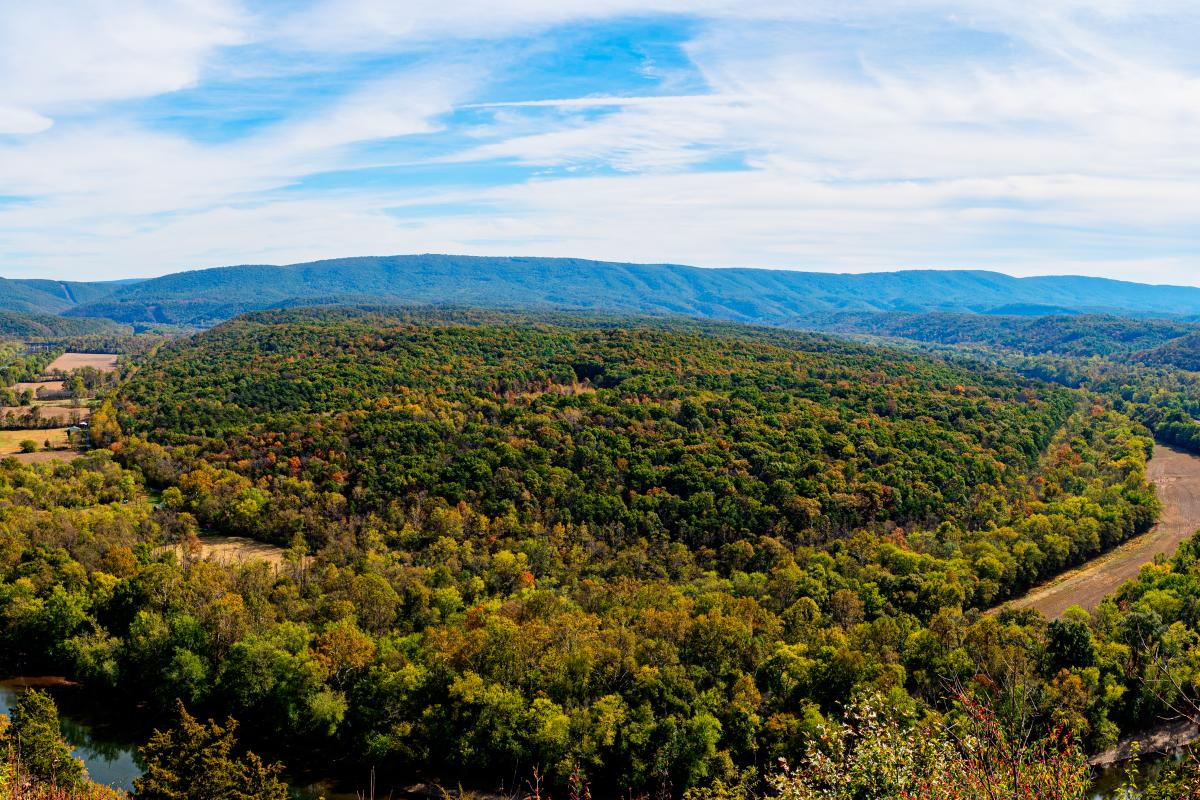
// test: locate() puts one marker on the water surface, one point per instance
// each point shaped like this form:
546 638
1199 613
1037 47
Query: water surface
111 759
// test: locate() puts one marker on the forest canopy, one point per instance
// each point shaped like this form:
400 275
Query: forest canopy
651 554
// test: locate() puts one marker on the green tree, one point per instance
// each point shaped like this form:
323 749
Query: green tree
1069 644
196 761
78 390
41 750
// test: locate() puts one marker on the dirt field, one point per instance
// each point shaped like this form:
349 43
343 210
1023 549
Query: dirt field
228 549
69 361
50 386
10 441
1177 476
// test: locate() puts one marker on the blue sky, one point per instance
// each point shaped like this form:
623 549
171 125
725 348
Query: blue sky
141 137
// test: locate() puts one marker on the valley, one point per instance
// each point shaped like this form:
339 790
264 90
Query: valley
444 544
50 412
599 401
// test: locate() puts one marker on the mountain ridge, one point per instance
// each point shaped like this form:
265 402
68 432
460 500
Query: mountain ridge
776 297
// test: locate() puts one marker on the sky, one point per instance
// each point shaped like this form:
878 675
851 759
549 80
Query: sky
142 137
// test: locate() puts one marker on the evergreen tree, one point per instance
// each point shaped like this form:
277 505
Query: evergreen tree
42 752
196 761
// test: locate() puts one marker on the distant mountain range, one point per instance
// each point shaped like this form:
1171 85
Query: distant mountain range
51 297
773 297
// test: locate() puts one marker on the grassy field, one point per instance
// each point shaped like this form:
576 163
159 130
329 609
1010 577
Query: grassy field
64 413
10 441
231 549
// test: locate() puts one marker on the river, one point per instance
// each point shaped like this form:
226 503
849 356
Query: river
108 747
111 759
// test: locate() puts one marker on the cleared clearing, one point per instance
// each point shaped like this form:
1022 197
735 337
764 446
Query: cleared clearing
231 549
105 362
42 456
1177 476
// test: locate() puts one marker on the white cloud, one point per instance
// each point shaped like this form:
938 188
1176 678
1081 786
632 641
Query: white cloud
399 105
19 120
874 136
117 169
53 54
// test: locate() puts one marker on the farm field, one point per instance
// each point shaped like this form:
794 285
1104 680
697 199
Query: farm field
42 456
34 386
54 407
105 362
1176 475
65 414
10 441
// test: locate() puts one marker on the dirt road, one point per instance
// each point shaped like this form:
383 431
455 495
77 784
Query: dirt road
1177 476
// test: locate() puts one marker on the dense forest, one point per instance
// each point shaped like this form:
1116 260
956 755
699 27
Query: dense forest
1077 335
650 556
1144 367
37 326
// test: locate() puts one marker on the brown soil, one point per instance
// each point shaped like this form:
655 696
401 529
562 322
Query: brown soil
1177 476
1167 738
104 362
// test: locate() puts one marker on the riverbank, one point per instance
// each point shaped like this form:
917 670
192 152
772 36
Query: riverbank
106 740
107 751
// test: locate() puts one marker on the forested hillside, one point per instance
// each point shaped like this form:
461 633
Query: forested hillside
1146 368
657 556
651 555
39 326
1079 335
781 297
636 431
33 296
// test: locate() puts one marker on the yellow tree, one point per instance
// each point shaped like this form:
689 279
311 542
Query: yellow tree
104 426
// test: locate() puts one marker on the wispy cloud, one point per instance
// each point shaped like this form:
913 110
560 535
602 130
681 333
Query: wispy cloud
57 57
1028 136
